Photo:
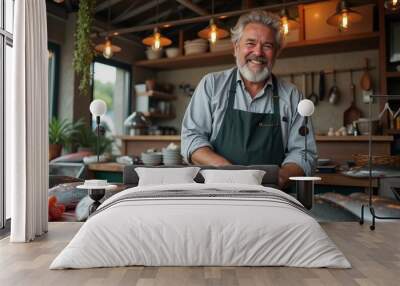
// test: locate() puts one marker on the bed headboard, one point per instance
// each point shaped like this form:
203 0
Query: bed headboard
130 177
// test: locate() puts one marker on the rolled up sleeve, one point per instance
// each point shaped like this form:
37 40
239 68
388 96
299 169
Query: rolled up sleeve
295 144
197 121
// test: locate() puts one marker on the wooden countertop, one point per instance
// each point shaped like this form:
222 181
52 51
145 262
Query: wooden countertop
362 138
106 167
319 138
150 138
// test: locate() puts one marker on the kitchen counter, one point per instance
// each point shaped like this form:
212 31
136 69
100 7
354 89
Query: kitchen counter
338 148
150 138
362 138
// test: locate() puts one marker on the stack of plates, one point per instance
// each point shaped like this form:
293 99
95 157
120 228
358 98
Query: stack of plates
197 46
151 158
172 157
222 45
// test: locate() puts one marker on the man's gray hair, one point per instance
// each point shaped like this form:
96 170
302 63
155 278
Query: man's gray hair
267 19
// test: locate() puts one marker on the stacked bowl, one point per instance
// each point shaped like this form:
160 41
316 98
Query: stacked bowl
197 46
151 158
222 45
171 157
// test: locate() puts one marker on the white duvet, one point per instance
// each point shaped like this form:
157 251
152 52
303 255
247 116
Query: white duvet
200 231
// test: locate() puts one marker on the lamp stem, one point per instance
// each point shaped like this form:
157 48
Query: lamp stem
98 135
305 138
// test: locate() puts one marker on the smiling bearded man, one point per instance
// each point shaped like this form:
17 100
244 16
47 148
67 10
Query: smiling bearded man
246 115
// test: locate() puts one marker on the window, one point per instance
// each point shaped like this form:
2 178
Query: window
112 82
6 43
54 72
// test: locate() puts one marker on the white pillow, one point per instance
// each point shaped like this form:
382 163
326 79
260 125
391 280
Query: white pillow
248 177
164 176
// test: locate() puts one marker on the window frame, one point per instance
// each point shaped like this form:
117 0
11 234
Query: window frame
56 90
6 39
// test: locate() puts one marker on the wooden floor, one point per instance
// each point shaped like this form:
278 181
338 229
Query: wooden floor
375 257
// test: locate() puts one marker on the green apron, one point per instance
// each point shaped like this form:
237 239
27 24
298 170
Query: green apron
249 138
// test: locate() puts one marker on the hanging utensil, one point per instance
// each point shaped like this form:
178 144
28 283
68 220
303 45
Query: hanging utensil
352 113
313 95
366 81
321 91
334 92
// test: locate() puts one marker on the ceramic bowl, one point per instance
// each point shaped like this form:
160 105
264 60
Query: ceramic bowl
172 52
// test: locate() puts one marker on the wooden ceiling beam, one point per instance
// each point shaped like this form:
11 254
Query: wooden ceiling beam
202 18
165 14
136 11
106 4
101 27
192 6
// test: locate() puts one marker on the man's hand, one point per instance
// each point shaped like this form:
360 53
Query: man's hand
206 156
286 171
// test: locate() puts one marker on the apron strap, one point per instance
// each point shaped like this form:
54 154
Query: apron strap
275 95
232 90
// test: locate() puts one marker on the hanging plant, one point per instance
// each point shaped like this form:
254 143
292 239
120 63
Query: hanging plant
84 53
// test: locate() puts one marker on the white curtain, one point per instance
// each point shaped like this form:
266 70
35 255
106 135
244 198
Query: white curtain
27 123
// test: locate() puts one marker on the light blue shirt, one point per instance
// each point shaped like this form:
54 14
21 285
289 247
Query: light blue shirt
205 113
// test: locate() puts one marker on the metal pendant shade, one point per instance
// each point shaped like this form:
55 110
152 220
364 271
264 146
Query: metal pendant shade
288 23
157 40
219 33
107 48
344 16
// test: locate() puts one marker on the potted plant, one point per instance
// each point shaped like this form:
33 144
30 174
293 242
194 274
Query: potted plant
59 134
84 137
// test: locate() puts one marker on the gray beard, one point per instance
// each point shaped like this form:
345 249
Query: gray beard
251 76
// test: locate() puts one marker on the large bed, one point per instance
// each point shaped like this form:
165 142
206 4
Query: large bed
197 224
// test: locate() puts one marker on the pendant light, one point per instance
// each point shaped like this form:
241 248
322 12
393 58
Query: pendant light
392 5
108 49
212 32
287 24
156 41
344 16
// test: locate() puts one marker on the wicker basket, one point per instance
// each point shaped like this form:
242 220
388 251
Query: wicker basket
386 160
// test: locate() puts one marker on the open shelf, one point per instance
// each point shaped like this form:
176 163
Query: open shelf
393 74
159 115
344 43
190 61
157 95
393 131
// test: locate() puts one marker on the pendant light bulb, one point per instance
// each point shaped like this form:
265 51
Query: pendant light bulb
108 52
285 25
213 34
157 41
392 5
344 22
